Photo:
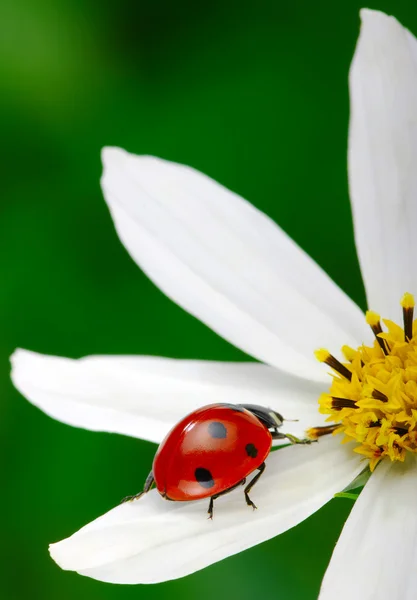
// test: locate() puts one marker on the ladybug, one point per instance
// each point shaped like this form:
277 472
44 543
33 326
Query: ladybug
213 450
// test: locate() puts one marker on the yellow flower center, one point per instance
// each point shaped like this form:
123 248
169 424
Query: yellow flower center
373 396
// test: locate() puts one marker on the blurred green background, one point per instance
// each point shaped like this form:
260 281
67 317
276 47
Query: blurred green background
253 94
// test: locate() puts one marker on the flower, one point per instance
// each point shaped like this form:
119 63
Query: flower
237 271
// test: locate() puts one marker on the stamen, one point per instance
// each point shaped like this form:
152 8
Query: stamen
326 357
349 353
407 302
315 432
374 321
379 396
372 399
339 403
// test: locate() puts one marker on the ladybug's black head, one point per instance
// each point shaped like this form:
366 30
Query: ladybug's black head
268 417
279 419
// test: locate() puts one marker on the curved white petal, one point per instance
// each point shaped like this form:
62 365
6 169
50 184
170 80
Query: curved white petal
376 555
151 540
383 158
227 263
145 396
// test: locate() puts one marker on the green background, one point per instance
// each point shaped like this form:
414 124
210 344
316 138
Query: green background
253 94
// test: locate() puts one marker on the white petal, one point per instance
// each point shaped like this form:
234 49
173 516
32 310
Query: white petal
227 263
376 555
383 158
145 396
151 540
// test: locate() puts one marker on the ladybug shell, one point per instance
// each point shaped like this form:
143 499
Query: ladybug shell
210 451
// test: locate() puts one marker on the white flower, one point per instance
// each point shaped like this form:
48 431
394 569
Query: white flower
237 271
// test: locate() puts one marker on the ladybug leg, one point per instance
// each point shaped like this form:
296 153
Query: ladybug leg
211 507
277 435
147 486
250 485
213 498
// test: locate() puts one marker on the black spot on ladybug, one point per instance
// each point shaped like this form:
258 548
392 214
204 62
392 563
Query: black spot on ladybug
235 407
251 450
204 477
217 430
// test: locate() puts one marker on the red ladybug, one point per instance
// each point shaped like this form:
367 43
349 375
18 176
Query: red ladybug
213 450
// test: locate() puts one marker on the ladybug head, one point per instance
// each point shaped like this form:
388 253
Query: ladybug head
268 417
279 419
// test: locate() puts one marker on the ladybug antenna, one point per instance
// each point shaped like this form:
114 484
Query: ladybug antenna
292 420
